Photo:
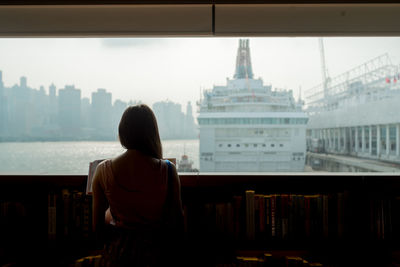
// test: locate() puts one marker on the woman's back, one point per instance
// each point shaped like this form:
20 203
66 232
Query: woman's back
140 192
136 187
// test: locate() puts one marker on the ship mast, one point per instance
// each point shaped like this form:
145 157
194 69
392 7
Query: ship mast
325 75
244 69
243 62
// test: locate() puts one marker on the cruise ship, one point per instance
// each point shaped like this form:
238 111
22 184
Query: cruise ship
246 126
357 113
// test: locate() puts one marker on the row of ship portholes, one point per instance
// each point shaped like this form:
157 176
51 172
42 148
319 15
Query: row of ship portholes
249 145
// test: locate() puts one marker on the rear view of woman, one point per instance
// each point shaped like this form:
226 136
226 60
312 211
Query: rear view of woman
137 207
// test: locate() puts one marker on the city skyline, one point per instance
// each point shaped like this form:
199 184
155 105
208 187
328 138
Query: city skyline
30 114
177 69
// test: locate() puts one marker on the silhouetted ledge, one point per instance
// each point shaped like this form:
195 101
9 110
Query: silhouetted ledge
187 2
274 181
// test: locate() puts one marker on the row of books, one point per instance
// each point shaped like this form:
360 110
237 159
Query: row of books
380 219
384 218
14 227
13 221
287 216
266 260
10 210
250 216
270 260
259 217
69 215
89 261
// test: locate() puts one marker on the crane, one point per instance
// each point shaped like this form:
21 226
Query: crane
325 74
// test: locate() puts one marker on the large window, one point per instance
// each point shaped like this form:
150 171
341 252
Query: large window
261 104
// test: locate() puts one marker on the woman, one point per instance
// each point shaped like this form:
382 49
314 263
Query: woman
137 207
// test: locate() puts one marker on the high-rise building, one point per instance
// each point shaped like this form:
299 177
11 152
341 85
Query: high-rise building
118 109
170 119
86 110
2 106
52 91
53 105
39 114
189 126
19 110
1 81
101 119
23 83
69 111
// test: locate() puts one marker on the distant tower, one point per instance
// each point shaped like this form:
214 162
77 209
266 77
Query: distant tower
1 80
101 117
53 104
52 91
189 110
23 82
2 105
189 127
1 87
69 111
243 61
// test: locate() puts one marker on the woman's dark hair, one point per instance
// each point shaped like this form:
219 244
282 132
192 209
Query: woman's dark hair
138 130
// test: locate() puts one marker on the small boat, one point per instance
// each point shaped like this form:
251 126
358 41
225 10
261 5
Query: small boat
185 165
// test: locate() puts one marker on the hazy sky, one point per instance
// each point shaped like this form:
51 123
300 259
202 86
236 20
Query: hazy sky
155 69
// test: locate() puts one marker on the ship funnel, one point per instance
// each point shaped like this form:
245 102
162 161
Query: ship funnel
243 61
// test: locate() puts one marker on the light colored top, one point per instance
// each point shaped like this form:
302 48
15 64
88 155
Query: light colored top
134 187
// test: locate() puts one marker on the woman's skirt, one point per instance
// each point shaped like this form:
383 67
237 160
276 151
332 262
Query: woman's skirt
138 247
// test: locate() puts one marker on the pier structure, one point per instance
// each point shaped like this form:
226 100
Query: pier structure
358 113
377 141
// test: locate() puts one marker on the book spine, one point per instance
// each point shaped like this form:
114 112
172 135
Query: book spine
320 216
273 216
210 218
77 214
389 218
396 217
325 216
285 215
52 215
268 216
332 219
291 219
301 216
229 220
87 216
185 219
340 215
372 218
278 217
237 212
262 217
380 219
250 227
346 214
296 225
257 226
220 218
66 212
307 216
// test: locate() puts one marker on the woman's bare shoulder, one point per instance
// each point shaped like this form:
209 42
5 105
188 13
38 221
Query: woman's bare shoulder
98 177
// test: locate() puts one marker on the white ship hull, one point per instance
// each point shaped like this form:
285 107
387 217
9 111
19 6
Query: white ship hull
240 149
247 127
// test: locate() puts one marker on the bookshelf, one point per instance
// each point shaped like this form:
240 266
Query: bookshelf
370 230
